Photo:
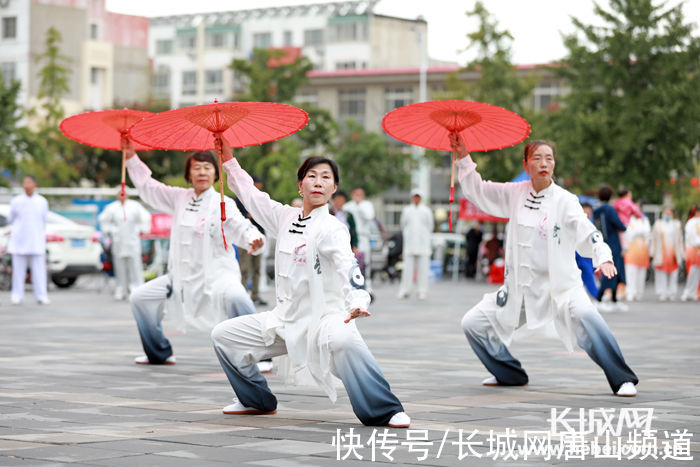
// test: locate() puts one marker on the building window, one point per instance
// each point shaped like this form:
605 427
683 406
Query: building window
187 41
94 32
164 47
189 83
313 37
354 31
351 105
9 27
307 97
216 40
397 97
262 40
287 38
349 65
161 81
214 81
544 95
94 75
8 70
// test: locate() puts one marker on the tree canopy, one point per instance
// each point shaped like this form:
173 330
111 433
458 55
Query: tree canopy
631 117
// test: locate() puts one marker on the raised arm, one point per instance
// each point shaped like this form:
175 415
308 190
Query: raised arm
261 207
492 198
158 195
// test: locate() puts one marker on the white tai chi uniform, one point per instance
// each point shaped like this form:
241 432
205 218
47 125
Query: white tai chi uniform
124 223
637 238
363 213
203 284
317 283
542 284
416 226
667 250
28 244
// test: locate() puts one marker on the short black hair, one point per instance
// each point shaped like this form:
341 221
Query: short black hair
339 193
533 145
622 192
586 204
32 177
313 161
605 193
201 156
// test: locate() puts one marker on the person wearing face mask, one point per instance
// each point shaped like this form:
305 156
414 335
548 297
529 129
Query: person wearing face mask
319 292
203 284
542 284
667 250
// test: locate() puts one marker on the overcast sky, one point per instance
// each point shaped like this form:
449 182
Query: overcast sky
536 25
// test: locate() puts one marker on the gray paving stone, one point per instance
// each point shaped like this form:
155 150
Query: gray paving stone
70 394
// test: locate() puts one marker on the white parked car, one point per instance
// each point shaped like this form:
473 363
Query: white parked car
72 249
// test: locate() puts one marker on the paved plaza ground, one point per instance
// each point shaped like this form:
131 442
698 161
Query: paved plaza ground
70 394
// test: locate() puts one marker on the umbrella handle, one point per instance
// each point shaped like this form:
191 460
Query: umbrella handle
219 145
452 187
123 183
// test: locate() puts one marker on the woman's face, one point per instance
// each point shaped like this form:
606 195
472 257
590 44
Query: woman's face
540 166
317 186
202 175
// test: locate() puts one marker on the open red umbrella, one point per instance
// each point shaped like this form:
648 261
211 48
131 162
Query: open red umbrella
482 127
104 129
199 127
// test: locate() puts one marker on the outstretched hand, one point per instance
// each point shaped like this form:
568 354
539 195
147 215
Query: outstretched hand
357 313
223 148
127 146
458 146
255 245
608 269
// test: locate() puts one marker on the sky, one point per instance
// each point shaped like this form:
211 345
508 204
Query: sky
536 25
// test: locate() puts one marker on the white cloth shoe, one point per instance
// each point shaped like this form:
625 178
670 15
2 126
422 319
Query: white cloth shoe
265 367
44 301
239 409
619 306
604 307
16 302
627 390
490 381
400 420
143 360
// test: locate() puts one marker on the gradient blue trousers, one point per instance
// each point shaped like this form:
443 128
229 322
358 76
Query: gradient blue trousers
592 333
239 345
148 306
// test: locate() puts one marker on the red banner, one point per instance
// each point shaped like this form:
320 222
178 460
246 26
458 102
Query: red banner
469 211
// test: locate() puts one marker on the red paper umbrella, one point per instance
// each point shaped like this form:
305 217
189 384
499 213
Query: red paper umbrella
482 127
104 129
201 126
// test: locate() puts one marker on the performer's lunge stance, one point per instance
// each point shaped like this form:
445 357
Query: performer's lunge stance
542 284
203 284
319 291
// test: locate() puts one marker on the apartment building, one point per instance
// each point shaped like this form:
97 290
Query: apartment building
107 52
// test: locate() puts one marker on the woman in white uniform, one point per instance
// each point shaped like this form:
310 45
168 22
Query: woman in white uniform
319 291
542 283
203 284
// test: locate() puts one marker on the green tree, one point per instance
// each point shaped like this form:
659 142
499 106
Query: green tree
275 76
272 75
367 160
499 84
15 141
53 163
633 112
